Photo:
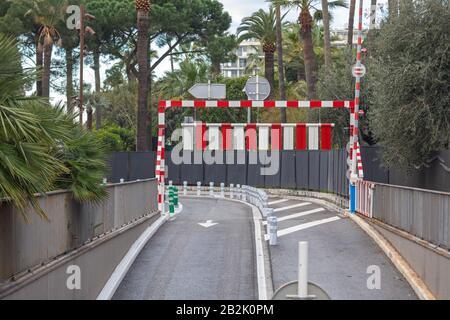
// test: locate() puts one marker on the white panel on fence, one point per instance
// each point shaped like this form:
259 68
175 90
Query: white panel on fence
214 137
288 137
188 136
313 138
264 137
238 137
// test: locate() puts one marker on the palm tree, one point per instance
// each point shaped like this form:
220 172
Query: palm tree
41 147
143 141
47 14
326 32
261 25
306 21
281 78
351 22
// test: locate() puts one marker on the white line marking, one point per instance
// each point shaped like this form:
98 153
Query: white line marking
260 269
298 215
292 206
303 227
278 201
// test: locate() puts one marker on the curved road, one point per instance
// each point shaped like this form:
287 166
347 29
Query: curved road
185 260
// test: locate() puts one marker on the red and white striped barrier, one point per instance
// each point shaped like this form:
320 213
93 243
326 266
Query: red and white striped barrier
359 162
257 136
364 198
254 104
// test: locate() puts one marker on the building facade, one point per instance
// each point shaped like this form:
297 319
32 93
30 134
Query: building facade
238 67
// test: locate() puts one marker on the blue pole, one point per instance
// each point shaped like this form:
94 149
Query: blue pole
352 198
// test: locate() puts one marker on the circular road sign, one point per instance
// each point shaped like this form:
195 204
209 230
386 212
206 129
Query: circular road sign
257 88
359 71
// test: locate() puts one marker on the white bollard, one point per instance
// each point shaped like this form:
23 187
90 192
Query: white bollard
303 270
105 180
122 180
199 188
211 189
185 188
170 183
231 191
222 190
273 229
238 191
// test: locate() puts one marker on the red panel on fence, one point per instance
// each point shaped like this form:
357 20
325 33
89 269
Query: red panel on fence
200 141
250 137
326 136
226 136
300 137
277 142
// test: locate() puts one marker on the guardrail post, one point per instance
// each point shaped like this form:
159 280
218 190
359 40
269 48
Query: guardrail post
185 188
222 190
211 189
244 193
199 188
273 229
231 191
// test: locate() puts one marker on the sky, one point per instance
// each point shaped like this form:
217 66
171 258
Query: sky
239 9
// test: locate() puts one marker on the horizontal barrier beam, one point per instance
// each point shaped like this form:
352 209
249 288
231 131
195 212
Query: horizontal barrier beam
254 104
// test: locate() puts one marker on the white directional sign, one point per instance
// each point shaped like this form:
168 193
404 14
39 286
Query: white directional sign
257 88
209 91
208 224
359 71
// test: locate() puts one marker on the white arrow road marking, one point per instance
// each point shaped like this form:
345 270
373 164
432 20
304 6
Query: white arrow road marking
278 201
292 207
208 224
303 227
298 215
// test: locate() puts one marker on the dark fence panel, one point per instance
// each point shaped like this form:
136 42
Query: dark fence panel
288 170
254 177
272 181
323 171
216 173
314 170
302 169
141 165
237 173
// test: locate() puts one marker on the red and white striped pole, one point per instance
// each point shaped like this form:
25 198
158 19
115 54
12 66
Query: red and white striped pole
354 125
160 158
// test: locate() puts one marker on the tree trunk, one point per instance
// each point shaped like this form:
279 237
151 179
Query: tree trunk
269 71
97 70
142 143
309 56
39 65
89 118
69 79
281 80
48 48
98 88
326 36
351 22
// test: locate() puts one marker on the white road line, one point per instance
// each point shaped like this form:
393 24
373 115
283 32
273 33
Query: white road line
303 227
292 206
260 267
278 201
298 215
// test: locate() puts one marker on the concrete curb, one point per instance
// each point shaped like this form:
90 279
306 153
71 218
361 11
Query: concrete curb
410 275
127 261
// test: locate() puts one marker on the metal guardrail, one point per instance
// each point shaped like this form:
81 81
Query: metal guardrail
422 213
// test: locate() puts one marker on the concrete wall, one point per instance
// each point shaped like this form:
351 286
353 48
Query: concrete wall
431 265
26 246
422 213
96 260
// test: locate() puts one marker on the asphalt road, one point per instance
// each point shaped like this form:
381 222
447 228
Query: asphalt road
339 254
187 261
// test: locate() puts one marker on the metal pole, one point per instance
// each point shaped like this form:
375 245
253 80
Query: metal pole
82 44
303 269
355 116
